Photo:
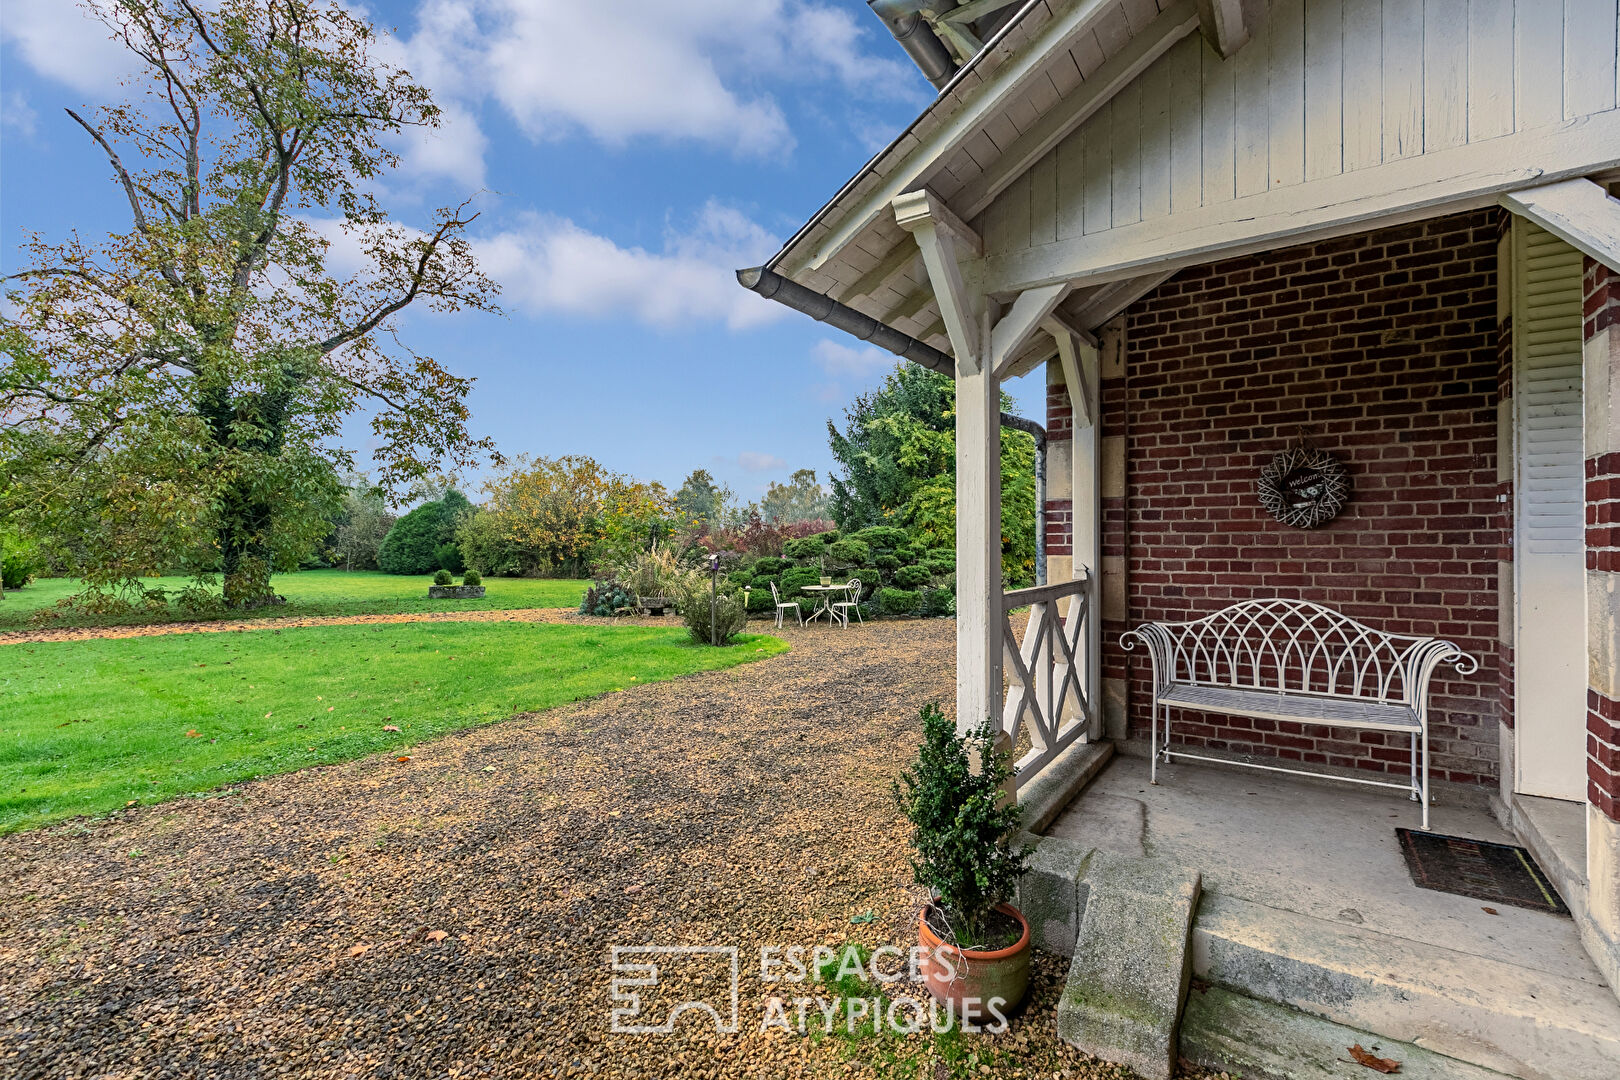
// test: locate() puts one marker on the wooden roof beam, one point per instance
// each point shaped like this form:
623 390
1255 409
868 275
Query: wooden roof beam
1578 212
1223 25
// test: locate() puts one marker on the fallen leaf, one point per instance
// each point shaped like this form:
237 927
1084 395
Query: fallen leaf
267 716
390 727
1490 911
437 935
406 757
193 734
489 768
1378 1064
358 950
632 889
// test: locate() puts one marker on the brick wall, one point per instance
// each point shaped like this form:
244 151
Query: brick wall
1381 348
1602 313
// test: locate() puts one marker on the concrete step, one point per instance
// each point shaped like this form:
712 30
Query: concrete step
1261 1041
1514 1020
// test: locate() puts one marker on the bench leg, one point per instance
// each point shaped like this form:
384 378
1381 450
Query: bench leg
1415 795
1425 777
1153 744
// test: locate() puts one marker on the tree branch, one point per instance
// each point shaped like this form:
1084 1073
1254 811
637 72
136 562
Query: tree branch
370 322
166 268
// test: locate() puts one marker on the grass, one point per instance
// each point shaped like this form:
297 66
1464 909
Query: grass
312 592
87 726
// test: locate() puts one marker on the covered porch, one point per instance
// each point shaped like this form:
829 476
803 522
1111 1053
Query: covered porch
1224 229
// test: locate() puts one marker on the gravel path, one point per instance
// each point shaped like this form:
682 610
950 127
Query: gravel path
452 916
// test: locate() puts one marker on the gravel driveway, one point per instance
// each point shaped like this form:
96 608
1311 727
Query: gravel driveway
453 915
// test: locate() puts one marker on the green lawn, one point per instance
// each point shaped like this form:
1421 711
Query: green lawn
86 726
319 592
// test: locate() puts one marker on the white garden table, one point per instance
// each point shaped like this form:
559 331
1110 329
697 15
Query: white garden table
824 600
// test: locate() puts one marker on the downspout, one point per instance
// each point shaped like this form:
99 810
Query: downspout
773 286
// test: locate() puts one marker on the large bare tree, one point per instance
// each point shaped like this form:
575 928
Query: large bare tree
172 395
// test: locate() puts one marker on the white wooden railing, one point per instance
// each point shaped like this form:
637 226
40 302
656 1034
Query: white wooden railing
1050 673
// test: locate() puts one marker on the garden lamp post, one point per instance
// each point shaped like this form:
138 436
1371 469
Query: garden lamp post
714 590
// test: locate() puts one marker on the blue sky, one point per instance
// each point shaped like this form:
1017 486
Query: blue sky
632 154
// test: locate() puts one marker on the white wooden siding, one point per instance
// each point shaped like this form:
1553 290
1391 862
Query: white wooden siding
1324 87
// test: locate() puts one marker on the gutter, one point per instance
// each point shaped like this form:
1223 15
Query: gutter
773 286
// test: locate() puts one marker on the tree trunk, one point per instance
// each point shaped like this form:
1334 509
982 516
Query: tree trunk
245 555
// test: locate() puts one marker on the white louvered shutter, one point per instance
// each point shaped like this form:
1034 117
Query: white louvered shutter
1548 393
1549 559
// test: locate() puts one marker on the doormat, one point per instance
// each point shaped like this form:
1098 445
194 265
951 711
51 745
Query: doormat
1500 873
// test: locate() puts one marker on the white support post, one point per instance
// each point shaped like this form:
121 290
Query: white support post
978 458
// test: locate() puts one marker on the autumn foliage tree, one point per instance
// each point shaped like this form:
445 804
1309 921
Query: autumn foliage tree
172 395
570 511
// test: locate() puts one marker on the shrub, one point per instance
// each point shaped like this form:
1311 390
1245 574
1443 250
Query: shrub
938 602
886 562
769 566
909 577
939 565
898 601
884 537
16 569
794 580
651 573
472 577
870 580
807 548
442 577
412 545
962 825
846 553
760 600
719 622
449 557
605 597
908 554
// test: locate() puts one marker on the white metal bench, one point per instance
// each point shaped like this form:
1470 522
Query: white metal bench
1301 663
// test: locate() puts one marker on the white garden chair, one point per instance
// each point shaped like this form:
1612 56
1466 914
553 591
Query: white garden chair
842 609
782 605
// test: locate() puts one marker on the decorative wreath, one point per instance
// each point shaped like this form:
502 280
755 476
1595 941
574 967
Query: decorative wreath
1304 487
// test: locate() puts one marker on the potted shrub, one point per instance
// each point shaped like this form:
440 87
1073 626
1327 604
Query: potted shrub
975 945
471 587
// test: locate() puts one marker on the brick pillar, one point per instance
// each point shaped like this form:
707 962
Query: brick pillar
1059 478
1505 451
1602 438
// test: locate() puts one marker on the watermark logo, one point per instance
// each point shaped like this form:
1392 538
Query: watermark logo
653 985
648 981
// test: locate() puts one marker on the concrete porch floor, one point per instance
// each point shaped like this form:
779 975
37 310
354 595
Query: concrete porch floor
1315 847
1308 904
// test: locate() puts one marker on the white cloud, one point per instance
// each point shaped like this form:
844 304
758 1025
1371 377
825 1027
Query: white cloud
838 359
61 41
647 68
551 265
15 112
755 461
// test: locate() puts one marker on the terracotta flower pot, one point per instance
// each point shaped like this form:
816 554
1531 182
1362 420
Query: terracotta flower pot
968 979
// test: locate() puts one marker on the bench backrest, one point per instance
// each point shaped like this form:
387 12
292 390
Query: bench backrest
1293 645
